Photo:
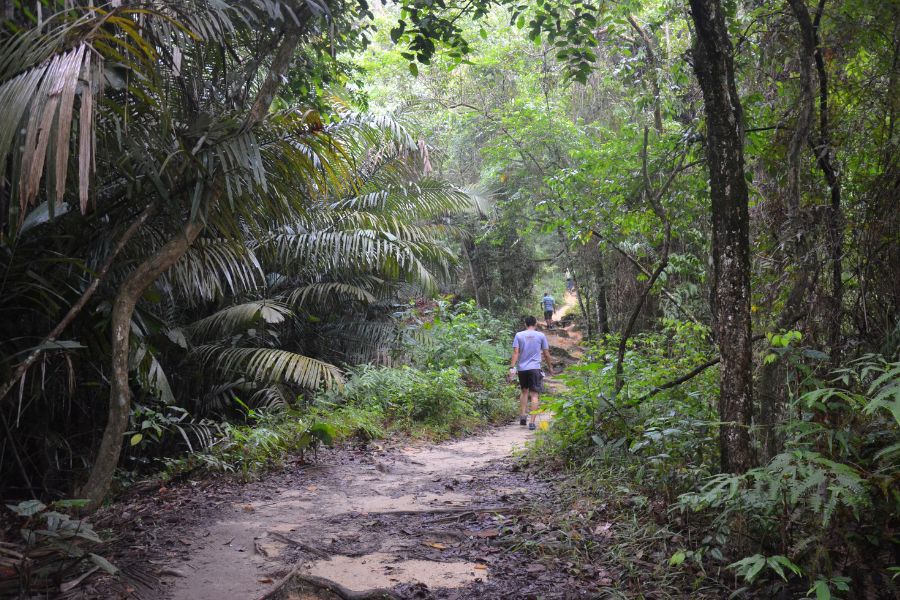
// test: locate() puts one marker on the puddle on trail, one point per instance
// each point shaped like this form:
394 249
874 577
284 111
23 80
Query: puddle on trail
384 570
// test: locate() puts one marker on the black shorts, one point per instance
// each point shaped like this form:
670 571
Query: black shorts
548 314
531 380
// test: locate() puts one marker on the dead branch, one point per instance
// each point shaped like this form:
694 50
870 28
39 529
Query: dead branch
297 581
450 510
298 544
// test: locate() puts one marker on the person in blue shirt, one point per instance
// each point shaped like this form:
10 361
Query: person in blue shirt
549 304
528 348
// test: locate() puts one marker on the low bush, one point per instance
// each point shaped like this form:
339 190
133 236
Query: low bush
406 397
818 519
454 383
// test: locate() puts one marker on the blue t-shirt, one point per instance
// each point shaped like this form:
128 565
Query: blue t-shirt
530 343
548 302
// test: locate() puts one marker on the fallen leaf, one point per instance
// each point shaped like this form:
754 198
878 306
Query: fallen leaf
536 568
487 533
436 545
265 580
312 488
248 508
184 541
481 567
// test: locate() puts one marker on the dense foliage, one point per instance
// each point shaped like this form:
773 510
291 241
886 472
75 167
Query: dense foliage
207 218
604 171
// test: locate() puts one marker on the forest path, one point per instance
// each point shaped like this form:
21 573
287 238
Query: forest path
422 520
357 522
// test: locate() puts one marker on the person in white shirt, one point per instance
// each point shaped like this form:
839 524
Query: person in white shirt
528 348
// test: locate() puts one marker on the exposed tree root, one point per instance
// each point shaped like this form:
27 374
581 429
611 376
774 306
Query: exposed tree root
298 544
297 581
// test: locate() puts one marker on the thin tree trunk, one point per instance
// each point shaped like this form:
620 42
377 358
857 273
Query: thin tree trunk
642 299
466 250
714 67
602 309
130 292
97 486
76 308
770 388
825 155
811 52
570 266
653 65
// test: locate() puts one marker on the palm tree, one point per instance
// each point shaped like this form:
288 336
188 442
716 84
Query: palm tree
156 117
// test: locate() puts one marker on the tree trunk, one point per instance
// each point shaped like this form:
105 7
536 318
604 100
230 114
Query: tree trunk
131 290
602 310
145 274
642 299
714 67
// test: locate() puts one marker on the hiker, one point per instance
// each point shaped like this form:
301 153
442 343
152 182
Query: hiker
528 347
548 303
570 283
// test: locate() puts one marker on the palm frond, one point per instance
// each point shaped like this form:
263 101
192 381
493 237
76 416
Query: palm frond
212 268
270 366
241 316
321 292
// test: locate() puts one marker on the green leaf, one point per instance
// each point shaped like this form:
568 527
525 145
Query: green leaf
414 69
823 592
71 503
677 558
136 439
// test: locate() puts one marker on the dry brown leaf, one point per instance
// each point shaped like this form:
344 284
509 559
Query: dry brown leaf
481 567
436 545
265 580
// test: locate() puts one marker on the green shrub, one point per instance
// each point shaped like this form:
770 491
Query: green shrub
469 339
265 441
667 441
829 502
406 397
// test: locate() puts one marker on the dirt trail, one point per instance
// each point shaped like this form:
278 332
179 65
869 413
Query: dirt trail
328 524
410 519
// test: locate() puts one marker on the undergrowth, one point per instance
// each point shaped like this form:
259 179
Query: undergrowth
819 519
449 382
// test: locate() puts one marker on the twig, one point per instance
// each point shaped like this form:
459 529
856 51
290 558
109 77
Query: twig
440 511
298 544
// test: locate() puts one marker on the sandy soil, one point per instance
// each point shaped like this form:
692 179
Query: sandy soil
240 552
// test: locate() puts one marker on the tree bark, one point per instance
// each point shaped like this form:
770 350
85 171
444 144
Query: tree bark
653 65
130 292
98 483
714 67
602 309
